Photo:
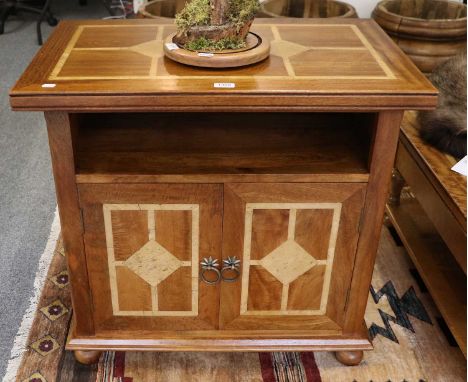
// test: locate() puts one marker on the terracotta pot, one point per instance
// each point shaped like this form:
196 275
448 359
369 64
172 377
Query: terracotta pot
428 31
307 8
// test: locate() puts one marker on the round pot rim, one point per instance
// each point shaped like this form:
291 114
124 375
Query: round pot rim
381 6
350 9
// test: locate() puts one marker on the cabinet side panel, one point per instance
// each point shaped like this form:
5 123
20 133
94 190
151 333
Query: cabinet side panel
382 160
61 128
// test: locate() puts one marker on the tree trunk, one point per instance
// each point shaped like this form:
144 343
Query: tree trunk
219 9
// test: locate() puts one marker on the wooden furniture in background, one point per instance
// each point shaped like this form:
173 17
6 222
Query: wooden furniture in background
432 223
307 8
277 184
428 31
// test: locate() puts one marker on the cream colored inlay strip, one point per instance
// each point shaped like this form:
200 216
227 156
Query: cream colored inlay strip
104 48
160 313
331 255
297 206
373 52
152 207
292 223
195 256
154 60
275 32
101 77
58 67
284 297
111 258
151 226
154 298
283 312
246 258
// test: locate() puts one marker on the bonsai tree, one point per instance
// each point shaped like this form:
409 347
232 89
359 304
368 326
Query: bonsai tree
215 24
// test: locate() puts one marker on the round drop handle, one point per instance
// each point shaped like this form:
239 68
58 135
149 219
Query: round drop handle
209 265
231 264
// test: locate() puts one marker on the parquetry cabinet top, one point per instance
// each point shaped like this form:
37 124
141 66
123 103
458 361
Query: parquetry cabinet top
315 64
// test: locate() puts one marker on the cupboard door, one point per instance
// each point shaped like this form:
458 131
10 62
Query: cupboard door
296 245
143 247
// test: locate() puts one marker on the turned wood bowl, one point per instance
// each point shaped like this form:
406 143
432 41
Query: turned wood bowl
428 31
307 9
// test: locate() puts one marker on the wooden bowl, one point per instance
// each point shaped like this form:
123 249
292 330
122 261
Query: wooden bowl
161 8
307 8
429 31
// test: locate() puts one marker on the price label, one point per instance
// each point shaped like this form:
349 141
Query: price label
461 167
171 46
224 85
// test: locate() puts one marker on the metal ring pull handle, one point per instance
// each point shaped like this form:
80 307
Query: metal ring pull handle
233 265
210 265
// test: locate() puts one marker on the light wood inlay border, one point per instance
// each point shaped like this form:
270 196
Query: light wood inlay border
152 70
247 262
113 264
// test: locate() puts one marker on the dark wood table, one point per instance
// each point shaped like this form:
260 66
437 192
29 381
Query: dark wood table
157 171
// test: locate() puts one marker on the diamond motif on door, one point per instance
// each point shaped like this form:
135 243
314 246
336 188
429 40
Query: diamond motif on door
288 262
153 263
153 258
288 247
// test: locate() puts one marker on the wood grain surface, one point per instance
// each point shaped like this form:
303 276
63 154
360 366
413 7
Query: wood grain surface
314 65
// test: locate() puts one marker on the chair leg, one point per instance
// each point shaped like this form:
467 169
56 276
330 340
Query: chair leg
44 13
3 17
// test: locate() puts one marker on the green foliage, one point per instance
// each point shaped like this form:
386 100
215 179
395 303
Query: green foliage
204 44
196 12
241 11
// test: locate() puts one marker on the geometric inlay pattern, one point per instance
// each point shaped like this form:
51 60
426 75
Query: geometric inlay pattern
152 263
292 57
289 261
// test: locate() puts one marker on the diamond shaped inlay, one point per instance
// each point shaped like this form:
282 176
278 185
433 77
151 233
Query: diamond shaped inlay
153 263
288 261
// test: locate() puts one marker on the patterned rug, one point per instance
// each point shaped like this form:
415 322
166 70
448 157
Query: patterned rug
411 341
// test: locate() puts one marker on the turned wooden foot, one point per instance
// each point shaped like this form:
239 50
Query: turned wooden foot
397 185
349 358
87 357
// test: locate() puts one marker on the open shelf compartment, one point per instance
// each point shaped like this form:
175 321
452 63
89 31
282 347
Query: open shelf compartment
220 147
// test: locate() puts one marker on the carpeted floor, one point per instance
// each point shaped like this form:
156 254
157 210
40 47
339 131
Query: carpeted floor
27 197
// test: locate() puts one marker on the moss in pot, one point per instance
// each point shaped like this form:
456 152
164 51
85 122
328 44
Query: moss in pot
215 25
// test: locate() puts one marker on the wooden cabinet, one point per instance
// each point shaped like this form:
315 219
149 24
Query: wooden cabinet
295 244
244 218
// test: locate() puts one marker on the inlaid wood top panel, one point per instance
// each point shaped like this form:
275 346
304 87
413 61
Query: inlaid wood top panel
83 61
